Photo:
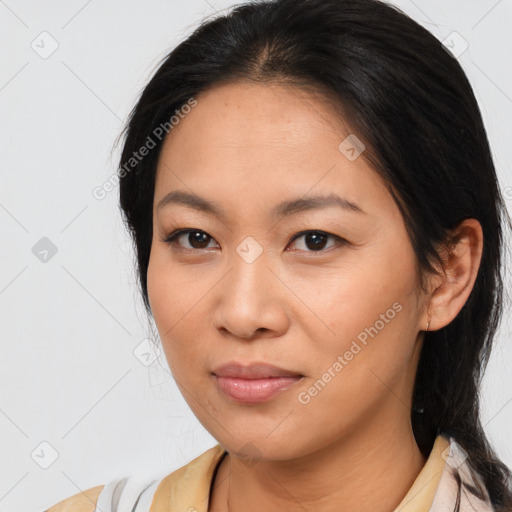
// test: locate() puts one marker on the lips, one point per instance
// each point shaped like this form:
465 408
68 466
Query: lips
254 383
253 371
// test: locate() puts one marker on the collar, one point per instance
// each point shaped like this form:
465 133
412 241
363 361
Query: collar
435 489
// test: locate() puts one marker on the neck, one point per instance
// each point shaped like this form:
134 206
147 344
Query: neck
370 470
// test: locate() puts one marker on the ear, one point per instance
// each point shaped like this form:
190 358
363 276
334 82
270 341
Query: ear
450 290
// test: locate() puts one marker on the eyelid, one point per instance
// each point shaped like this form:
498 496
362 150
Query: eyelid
338 240
170 239
181 231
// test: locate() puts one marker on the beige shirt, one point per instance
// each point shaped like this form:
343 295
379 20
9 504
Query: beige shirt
188 488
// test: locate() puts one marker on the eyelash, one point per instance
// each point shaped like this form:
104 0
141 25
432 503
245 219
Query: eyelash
171 239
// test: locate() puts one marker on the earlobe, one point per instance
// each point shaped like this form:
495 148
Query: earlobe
462 261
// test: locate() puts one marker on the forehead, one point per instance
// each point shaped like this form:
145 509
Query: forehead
261 142
245 115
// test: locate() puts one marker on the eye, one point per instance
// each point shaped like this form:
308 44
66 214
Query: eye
314 241
197 238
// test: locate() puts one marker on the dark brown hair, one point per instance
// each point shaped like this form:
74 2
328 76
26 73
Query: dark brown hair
408 99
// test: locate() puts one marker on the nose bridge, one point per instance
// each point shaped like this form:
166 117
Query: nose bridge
250 273
250 300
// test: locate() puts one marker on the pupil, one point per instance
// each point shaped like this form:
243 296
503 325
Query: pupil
314 241
195 239
317 239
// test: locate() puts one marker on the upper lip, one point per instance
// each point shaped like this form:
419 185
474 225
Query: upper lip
253 371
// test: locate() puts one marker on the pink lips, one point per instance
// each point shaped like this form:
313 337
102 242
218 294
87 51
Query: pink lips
254 383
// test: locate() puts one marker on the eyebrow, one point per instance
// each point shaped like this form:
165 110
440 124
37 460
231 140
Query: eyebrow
283 209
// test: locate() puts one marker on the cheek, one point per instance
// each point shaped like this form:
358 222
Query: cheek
370 308
179 306
170 291
353 296
372 350
168 300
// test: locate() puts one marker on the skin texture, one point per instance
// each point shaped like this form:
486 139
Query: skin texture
248 147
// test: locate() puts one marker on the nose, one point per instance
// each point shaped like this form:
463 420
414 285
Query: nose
251 301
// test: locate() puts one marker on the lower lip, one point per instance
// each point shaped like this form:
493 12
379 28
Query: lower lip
254 390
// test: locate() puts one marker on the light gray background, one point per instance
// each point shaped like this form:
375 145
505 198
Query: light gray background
69 376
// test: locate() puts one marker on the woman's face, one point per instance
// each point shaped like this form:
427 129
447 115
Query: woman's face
338 306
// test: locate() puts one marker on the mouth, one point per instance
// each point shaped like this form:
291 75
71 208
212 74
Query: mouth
253 371
254 383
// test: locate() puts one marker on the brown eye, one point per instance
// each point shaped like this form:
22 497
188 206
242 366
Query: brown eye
315 241
195 237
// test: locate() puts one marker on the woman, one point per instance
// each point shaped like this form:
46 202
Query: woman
318 228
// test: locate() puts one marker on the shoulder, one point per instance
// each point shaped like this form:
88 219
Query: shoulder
84 501
140 493
187 487
460 483
134 493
